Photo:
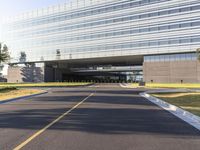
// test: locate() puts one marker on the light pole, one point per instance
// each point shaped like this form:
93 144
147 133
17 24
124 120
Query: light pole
55 67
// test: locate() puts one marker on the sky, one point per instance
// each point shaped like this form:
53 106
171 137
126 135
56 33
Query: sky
13 7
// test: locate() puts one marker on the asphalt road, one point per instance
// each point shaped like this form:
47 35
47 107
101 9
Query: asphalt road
112 118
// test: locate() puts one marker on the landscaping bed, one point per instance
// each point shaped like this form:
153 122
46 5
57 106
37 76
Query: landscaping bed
9 93
172 85
50 84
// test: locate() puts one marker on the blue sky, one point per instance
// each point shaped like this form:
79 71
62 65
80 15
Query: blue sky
12 7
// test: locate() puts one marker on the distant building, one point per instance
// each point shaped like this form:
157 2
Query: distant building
160 35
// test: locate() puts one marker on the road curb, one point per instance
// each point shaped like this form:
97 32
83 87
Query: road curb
126 85
69 86
178 112
22 97
123 85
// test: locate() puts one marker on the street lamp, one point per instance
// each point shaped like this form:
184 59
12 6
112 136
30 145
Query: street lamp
55 66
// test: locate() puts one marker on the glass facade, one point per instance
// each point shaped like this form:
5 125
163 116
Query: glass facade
172 57
106 28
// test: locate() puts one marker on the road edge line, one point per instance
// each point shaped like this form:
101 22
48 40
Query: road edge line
50 124
184 115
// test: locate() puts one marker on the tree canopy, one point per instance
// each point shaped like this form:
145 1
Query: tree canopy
4 54
198 53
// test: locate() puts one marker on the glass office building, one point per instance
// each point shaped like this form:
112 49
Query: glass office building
147 31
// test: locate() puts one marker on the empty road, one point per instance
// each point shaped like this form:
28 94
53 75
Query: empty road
99 117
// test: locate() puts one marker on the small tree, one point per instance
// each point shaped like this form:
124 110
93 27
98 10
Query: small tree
22 57
198 53
4 55
58 54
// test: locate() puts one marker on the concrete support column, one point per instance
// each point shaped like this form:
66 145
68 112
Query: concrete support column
52 74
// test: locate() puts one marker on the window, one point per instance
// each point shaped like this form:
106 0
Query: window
173 11
144 30
153 43
163 42
195 7
143 44
185 40
182 57
174 26
167 58
153 14
196 39
185 9
154 29
163 13
144 16
174 41
196 23
134 17
183 25
144 1
163 28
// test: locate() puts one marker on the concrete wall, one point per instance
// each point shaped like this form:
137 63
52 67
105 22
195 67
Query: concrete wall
53 74
25 74
33 74
172 72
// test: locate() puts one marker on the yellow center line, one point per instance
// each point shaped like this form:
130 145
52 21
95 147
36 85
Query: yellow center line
50 124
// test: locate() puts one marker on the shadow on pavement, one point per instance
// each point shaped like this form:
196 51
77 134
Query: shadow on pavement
96 115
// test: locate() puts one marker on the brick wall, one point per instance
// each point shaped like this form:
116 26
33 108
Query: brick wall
172 72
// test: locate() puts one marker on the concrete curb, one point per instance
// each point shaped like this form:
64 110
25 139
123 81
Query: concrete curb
180 113
126 85
22 97
123 85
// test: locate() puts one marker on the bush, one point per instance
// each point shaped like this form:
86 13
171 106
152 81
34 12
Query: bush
7 89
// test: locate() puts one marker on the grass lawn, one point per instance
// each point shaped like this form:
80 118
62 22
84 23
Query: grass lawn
167 85
187 101
14 90
8 93
172 85
50 84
